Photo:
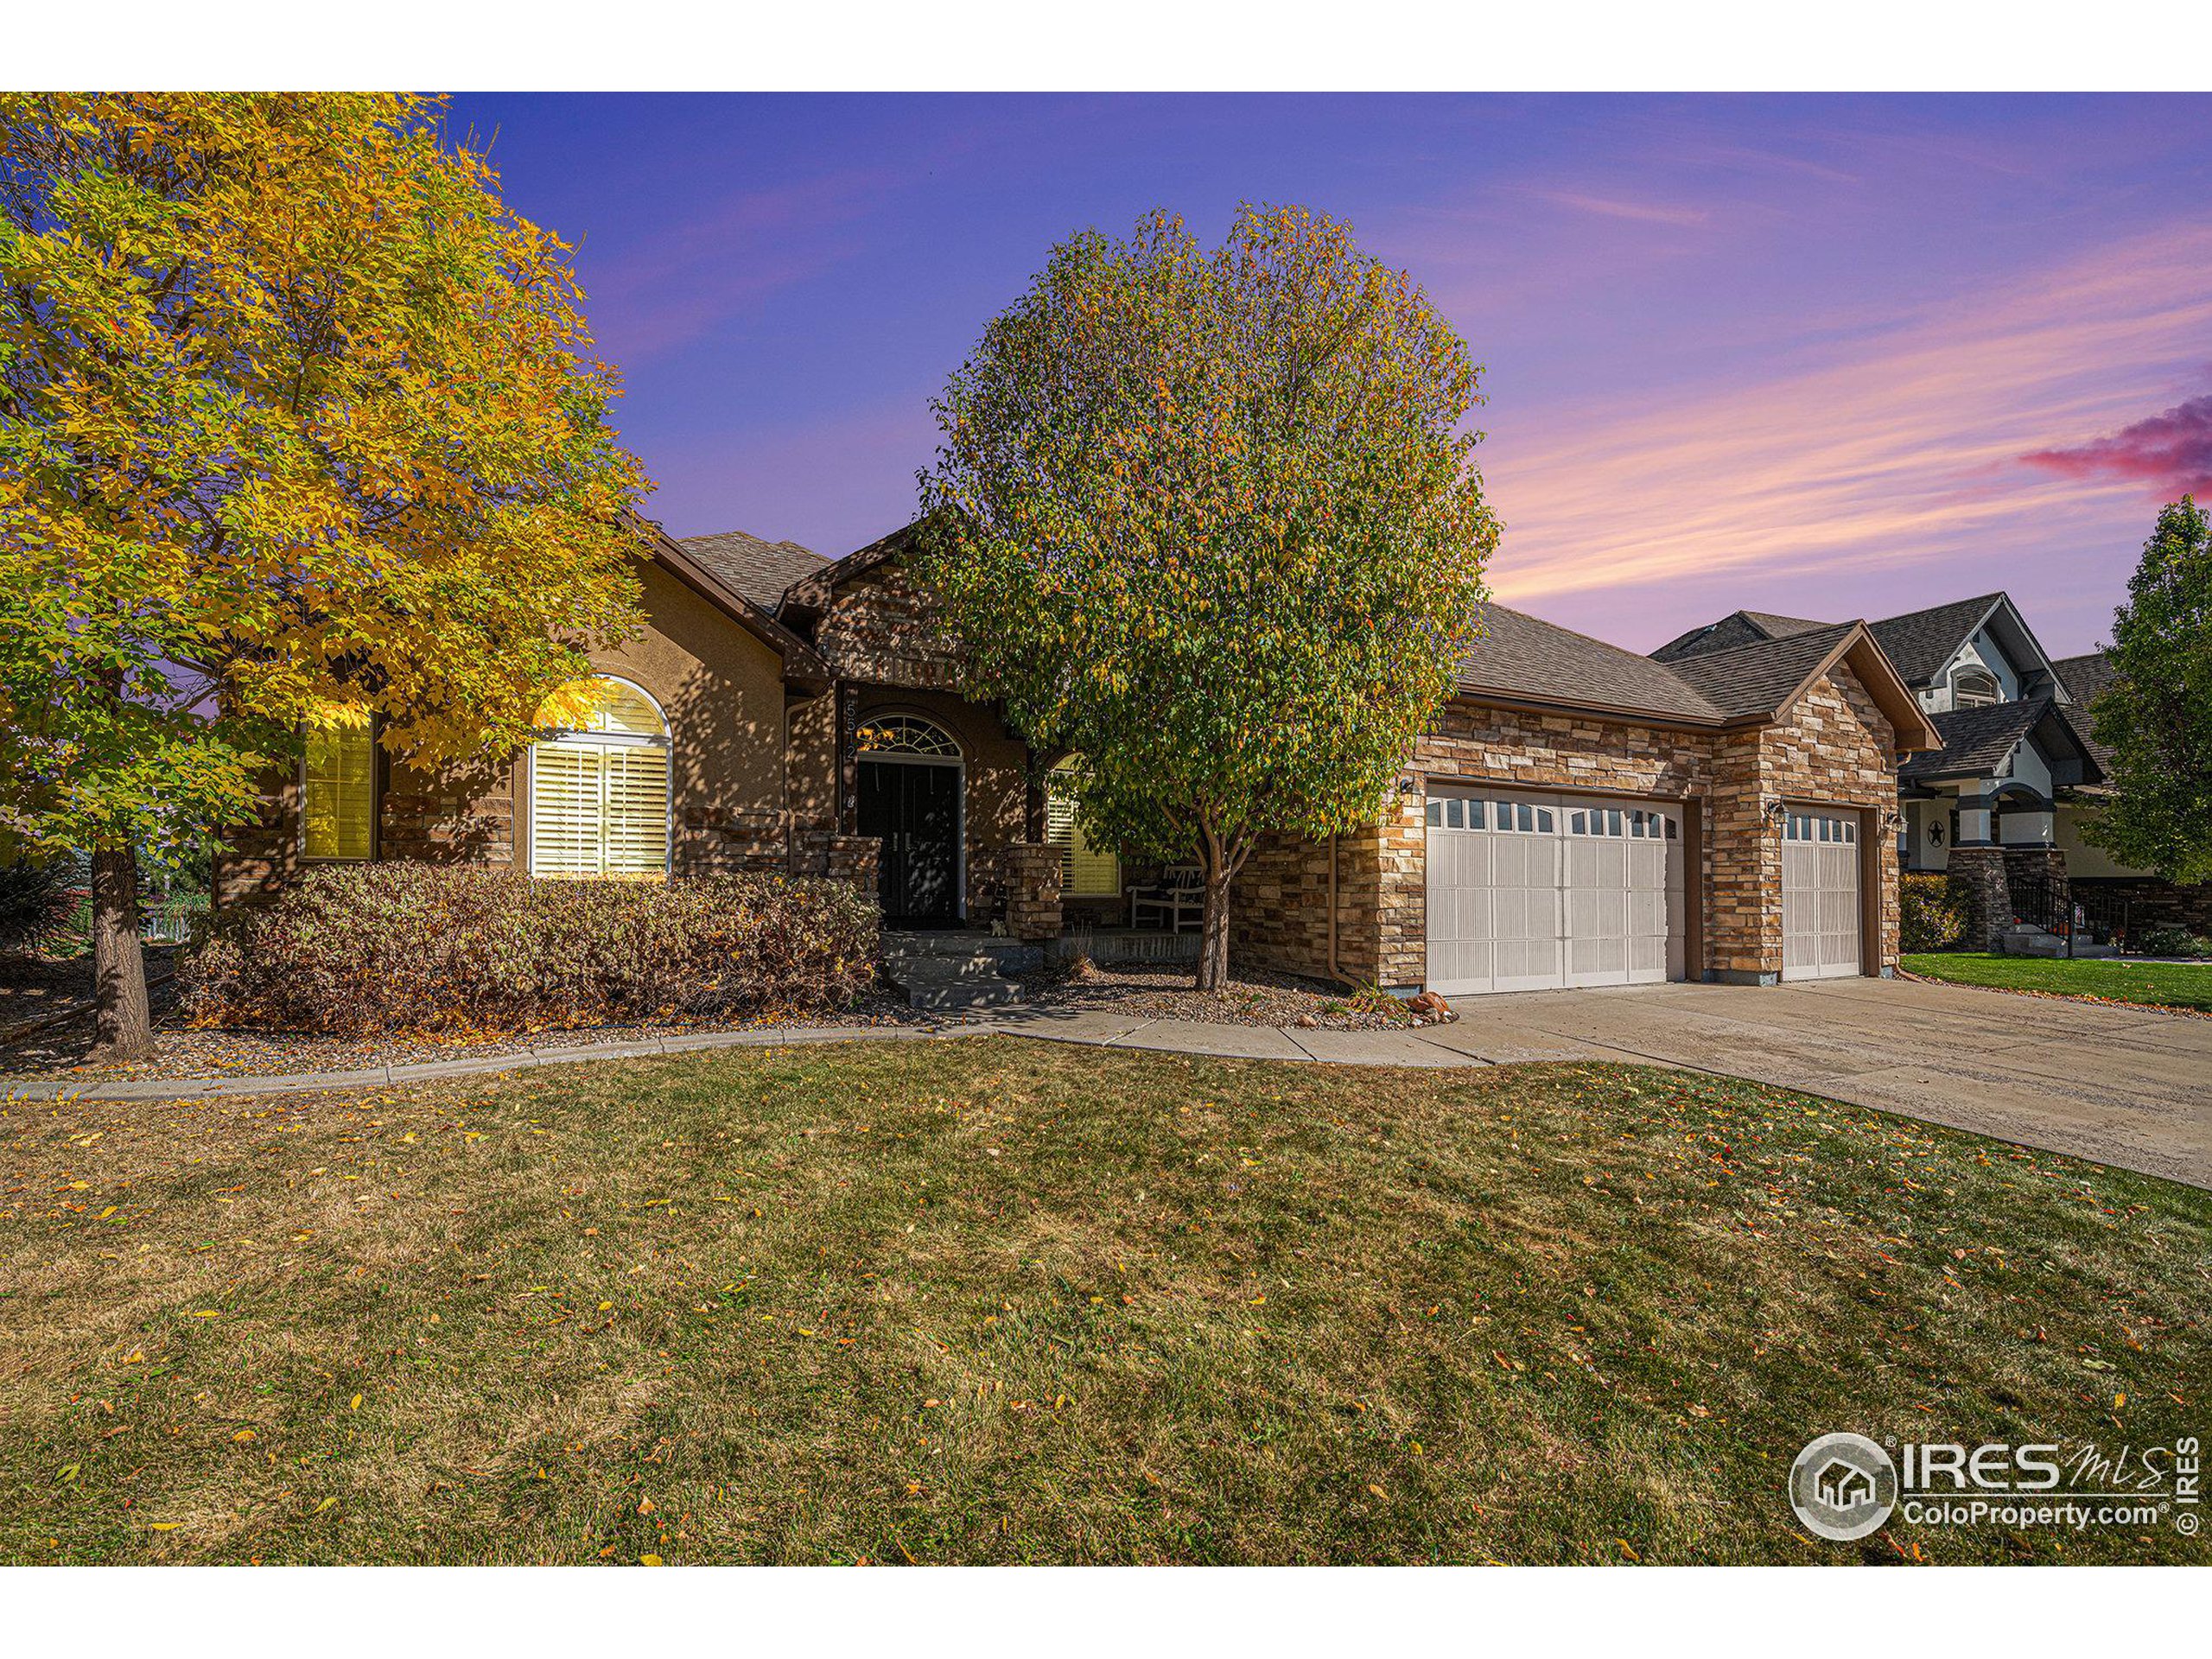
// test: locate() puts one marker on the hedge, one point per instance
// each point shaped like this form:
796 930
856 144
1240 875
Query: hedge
377 948
1933 912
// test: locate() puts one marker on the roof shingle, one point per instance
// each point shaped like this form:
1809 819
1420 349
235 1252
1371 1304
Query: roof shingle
759 569
1919 643
1737 629
1520 656
1976 741
1754 679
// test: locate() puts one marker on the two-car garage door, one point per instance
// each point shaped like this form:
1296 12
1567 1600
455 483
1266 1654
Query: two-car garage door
1532 893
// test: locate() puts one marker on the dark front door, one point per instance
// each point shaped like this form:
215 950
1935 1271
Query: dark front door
915 809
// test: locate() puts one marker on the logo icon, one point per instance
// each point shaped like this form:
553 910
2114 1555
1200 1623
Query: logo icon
1843 1486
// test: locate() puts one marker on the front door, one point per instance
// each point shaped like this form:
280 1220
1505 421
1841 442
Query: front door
913 808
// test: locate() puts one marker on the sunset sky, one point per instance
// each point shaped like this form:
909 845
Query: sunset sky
1828 357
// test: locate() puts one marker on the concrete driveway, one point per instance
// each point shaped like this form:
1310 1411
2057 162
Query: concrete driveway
2120 1085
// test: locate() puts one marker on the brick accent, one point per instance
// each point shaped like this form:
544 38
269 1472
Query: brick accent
2154 903
878 629
1032 891
456 814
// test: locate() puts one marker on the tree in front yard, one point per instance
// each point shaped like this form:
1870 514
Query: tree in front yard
1210 516
2157 714
298 425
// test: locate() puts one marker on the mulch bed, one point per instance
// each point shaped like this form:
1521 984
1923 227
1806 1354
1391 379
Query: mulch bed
1147 991
1155 991
28 989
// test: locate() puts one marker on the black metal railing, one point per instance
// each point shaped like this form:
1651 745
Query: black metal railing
2101 917
2079 916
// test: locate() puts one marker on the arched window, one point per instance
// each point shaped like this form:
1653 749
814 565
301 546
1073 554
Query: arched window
599 800
1085 871
907 735
1973 687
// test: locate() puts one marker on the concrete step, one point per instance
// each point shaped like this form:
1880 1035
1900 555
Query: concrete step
1011 955
950 982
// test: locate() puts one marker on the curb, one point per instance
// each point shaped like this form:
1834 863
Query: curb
154 1090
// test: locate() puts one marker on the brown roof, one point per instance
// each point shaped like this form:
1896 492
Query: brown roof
1523 658
1978 741
1757 679
803 665
2088 678
759 569
1737 628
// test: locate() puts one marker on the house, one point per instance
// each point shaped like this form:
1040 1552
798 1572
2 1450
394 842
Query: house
1580 815
2000 802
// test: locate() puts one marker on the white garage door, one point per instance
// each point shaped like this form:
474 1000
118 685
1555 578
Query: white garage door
1819 895
1529 892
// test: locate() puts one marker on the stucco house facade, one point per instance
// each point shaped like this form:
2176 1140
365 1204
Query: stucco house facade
1578 814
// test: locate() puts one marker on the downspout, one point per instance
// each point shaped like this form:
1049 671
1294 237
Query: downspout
1335 972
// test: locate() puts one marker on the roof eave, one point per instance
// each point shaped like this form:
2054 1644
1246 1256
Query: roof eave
1916 732
803 665
1490 697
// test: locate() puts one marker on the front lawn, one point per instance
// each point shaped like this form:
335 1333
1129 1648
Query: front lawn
993 1301
2160 984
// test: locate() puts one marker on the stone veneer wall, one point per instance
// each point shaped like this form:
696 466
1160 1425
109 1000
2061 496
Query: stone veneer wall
1837 748
1279 906
878 629
1512 750
1834 748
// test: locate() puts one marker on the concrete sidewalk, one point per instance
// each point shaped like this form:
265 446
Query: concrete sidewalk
2123 1086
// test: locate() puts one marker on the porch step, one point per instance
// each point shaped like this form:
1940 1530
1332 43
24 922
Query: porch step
950 971
1011 955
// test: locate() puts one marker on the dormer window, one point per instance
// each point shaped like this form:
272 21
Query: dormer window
1973 687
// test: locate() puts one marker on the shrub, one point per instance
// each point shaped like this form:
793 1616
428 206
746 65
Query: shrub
1934 913
2167 939
421 947
35 905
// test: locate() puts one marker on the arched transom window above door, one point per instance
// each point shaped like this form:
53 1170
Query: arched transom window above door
599 784
905 734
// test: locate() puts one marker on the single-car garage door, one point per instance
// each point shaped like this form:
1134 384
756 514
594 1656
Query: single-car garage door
1529 892
1820 895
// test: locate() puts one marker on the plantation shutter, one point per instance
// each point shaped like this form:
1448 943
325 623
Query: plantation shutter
598 795
1085 872
565 810
634 814
338 813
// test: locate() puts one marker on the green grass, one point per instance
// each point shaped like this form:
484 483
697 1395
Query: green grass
2161 984
989 1300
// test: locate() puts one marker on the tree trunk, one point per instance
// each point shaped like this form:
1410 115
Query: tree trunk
1219 870
123 1023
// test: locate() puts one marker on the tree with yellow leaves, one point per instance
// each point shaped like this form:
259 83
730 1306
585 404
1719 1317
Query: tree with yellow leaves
1210 517
298 422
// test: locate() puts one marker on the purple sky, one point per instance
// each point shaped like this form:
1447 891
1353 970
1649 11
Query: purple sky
1828 357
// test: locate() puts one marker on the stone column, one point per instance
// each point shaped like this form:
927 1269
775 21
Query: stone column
1033 892
1978 874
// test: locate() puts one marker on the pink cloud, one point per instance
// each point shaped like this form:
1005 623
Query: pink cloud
2171 453
1878 449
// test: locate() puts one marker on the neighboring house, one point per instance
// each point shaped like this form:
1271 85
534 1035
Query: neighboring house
2000 802
1580 815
